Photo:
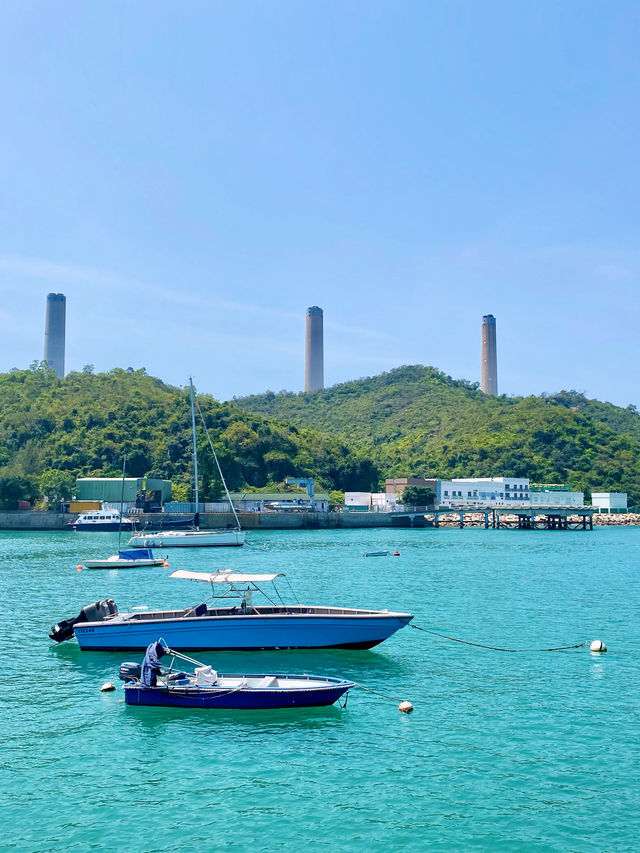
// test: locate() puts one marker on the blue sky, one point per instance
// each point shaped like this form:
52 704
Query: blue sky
194 175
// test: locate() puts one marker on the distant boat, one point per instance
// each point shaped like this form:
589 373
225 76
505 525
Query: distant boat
193 538
217 623
136 559
376 553
205 688
105 520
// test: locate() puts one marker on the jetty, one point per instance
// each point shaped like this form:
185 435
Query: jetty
498 518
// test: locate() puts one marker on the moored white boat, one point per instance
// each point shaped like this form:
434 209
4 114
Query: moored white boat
105 520
194 538
136 559
187 539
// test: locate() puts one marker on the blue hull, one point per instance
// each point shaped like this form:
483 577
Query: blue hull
285 631
238 699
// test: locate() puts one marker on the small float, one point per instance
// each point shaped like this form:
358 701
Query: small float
151 684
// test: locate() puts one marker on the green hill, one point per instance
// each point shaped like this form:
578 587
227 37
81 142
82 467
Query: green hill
52 431
417 421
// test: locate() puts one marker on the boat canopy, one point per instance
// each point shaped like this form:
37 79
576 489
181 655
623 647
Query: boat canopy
224 577
136 554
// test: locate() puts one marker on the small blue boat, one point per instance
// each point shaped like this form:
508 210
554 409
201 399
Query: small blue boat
151 684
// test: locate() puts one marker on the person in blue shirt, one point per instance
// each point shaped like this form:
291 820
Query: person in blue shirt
151 664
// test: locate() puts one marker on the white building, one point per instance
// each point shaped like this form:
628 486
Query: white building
370 501
608 501
484 491
555 498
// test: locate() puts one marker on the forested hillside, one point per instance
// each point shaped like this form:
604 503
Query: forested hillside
52 431
410 421
416 420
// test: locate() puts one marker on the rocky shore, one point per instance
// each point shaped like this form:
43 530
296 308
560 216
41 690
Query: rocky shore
599 519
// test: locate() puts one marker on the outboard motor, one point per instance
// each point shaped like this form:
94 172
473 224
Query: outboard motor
130 671
96 612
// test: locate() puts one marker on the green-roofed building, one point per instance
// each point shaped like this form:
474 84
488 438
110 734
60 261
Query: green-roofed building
109 489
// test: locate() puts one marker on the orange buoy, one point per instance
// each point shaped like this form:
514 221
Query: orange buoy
79 568
396 553
166 565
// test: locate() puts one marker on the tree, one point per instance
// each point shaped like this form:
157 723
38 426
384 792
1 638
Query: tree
57 485
14 488
418 496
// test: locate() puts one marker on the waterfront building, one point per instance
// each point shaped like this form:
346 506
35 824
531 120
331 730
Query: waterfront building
483 491
279 501
370 501
609 501
554 496
397 485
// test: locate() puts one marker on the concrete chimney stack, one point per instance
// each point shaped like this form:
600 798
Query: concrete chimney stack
489 356
314 362
54 332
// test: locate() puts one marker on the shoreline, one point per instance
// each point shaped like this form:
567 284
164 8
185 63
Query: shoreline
43 520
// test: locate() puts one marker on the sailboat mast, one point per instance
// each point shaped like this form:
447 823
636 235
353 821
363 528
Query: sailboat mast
195 449
124 462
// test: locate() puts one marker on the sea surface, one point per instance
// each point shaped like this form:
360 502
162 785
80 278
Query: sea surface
505 751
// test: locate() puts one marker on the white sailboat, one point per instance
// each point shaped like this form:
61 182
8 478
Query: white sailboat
194 538
136 559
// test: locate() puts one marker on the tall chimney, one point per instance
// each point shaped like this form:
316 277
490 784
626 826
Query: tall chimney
54 332
489 356
314 362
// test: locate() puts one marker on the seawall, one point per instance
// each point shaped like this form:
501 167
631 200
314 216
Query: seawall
42 520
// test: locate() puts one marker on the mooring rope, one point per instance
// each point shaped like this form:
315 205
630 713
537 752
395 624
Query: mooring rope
494 648
377 692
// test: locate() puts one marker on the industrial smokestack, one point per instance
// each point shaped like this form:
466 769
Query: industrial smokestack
489 355
314 363
54 332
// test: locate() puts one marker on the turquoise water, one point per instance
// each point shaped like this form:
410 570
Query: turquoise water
534 751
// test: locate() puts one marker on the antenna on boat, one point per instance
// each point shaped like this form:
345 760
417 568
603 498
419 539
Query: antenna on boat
215 456
195 448
124 462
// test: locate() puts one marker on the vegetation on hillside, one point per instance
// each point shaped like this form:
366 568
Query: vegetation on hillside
416 421
52 431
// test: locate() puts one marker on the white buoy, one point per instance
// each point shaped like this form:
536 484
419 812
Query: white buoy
107 686
598 646
405 707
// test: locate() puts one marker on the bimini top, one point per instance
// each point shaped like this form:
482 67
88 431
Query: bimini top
224 577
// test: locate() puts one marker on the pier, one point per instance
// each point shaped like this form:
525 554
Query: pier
499 518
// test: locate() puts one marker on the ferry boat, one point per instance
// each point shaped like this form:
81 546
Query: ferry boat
214 624
102 520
